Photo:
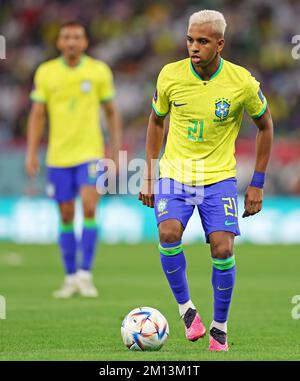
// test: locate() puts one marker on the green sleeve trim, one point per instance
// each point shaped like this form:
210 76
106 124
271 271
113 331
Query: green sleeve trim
89 223
261 113
36 98
169 251
107 99
66 228
157 112
224 264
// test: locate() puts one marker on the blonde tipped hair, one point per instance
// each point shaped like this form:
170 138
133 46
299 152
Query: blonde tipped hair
215 18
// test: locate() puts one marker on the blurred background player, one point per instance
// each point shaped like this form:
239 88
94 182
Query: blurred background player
205 97
70 89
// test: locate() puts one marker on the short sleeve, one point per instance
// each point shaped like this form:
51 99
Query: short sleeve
39 90
255 101
160 101
107 88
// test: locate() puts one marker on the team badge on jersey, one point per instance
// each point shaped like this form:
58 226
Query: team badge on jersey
85 86
222 108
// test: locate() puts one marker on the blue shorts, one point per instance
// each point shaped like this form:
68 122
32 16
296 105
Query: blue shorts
65 183
216 203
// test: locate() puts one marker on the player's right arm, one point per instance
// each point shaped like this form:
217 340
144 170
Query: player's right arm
154 139
154 142
36 122
35 129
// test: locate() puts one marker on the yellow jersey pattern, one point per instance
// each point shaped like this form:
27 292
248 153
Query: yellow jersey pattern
205 118
72 96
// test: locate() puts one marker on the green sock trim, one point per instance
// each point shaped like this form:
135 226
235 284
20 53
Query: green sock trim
224 264
66 228
90 223
170 250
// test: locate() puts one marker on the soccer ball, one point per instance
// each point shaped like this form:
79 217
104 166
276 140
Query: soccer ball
144 329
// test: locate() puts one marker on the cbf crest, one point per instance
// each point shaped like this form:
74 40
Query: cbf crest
222 108
162 206
85 86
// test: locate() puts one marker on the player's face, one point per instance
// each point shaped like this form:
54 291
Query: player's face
203 44
72 41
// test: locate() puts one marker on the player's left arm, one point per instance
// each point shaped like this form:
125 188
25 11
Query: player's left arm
114 126
264 138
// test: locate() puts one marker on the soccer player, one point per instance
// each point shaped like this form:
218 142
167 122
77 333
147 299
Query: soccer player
205 96
70 89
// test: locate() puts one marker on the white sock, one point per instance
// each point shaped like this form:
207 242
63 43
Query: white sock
185 306
84 274
70 278
220 326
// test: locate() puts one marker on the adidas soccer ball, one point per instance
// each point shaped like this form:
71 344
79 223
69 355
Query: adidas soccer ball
144 329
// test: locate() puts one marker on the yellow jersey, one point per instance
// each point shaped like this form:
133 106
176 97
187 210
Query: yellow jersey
72 96
205 118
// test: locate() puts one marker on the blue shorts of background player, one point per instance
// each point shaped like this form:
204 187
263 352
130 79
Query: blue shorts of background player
216 204
64 183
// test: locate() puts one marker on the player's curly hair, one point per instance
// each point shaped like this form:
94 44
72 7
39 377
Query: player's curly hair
209 16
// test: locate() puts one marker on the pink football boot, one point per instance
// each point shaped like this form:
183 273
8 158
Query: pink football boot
194 328
217 340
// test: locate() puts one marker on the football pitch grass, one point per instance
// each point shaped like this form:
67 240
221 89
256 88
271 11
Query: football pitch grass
38 327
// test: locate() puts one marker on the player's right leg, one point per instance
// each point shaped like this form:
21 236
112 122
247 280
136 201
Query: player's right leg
173 213
60 187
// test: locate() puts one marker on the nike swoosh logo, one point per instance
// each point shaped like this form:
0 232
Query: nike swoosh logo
179 104
223 289
227 223
173 271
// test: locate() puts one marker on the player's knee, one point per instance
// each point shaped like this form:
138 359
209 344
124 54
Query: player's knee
67 215
169 235
89 211
221 251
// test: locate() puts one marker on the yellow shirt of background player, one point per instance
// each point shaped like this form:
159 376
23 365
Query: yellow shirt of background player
205 118
72 96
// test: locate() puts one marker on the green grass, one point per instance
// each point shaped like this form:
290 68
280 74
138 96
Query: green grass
39 327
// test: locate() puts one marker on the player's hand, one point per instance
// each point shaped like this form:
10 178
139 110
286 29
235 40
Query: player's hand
253 201
32 165
146 194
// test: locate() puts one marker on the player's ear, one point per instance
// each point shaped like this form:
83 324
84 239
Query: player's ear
220 45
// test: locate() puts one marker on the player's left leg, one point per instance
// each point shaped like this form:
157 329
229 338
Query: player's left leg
89 198
89 237
223 279
219 217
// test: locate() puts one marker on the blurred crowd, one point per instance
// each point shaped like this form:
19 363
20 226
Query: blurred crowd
136 38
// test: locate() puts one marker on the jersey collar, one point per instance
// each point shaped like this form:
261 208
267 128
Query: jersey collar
82 59
214 74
